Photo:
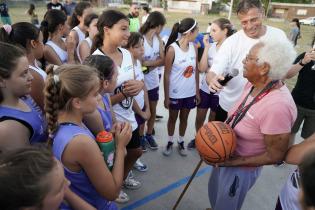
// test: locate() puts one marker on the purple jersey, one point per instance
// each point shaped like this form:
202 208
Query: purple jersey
80 182
34 120
106 114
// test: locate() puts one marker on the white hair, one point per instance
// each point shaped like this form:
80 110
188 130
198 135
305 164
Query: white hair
279 54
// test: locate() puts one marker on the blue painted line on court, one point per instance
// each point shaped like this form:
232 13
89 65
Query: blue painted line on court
165 190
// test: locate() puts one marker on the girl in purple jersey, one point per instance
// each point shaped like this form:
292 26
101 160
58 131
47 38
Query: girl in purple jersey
21 120
71 92
28 36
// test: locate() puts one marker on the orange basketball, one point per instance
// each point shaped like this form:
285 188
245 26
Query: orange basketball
215 141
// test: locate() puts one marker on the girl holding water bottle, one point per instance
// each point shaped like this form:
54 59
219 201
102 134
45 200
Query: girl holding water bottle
71 92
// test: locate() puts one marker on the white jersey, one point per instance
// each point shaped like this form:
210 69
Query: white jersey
40 71
139 76
151 53
123 110
62 54
81 37
81 34
289 193
89 42
182 75
211 54
230 56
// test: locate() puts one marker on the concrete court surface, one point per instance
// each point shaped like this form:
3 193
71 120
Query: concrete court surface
167 177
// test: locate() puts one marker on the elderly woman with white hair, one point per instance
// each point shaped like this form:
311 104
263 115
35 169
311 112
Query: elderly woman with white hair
262 121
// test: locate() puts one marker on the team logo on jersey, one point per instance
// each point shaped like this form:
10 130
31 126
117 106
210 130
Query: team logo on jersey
188 72
127 102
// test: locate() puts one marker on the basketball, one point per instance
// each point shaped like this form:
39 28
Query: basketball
215 141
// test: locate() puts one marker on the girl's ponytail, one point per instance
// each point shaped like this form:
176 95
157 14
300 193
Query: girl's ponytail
174 34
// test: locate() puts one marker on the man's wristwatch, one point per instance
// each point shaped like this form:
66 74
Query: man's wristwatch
301 63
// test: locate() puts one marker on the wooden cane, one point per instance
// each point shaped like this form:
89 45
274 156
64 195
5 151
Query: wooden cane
187 185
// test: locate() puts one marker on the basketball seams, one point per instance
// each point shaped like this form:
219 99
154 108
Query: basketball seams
218 132
201 135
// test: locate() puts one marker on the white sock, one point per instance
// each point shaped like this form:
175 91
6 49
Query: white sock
181 139
171 139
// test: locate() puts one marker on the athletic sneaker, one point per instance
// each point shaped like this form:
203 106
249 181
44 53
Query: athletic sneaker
168 149
181 149
158 116
122 198
143 143
191 145
151 142
140 166
131 183
280 163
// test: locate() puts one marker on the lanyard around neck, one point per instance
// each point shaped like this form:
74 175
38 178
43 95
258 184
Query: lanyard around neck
242 109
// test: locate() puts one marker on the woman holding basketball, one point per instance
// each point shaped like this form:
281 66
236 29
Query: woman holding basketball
262 121
181 86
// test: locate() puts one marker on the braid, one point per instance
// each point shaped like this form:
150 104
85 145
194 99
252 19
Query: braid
51 103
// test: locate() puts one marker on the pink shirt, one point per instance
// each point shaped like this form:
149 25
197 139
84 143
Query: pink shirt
273 114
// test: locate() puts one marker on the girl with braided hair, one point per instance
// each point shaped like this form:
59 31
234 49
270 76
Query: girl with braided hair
71 92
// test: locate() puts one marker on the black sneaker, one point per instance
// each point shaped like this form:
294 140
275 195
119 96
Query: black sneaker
158 117
191 145
151 142
168 149
143 143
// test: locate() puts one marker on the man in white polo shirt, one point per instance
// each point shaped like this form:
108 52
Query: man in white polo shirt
234 50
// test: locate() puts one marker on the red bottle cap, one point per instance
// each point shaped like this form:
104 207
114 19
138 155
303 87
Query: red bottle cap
104 137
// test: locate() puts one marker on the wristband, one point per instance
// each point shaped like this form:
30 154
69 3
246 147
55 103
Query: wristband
301 63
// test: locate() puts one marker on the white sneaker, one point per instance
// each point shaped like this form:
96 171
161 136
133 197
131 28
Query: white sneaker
122 198
131 183
181 149
140 166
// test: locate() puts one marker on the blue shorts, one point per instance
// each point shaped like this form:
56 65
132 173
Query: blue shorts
139 119
183 103
153 94
208 101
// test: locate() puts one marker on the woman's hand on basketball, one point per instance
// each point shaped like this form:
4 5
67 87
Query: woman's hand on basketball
166 103
123 133
209 163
